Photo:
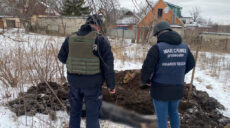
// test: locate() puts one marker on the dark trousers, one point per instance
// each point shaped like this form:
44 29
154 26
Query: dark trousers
92 99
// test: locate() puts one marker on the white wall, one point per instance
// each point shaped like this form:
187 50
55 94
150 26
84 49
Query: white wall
59 25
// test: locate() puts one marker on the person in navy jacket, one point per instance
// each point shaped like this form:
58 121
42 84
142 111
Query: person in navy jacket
164 70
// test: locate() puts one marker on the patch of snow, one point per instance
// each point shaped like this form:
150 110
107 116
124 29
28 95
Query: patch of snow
121 66
10 120
9 93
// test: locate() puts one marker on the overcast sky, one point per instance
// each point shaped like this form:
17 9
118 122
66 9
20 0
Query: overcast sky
216 10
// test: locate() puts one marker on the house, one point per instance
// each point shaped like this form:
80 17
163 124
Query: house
125 27
38 9
126 22
161 11
9 22
187 20
41 9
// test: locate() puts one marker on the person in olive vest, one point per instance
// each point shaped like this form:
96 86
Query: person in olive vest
164 70
89 61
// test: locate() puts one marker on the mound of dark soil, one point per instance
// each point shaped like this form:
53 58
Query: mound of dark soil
201 111
129 95
40 99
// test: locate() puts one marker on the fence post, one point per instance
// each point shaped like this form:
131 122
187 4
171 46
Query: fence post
3 27
18 26
194 69
228 45
193 73
123 34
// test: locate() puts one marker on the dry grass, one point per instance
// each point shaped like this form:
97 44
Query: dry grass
30 63
206 43
199 80
215 62
209 87
128 52
23 65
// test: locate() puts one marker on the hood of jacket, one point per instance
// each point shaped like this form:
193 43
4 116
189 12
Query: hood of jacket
84 30
170 37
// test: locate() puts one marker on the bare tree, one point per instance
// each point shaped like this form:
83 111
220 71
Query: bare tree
109 7
144 8
56 4
23 9
209 22
2 8
195 13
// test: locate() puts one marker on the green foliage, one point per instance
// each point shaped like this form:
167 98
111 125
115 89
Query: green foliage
75 8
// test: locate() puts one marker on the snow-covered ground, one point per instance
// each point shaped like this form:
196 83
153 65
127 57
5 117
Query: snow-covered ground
212 76
8 119
212 73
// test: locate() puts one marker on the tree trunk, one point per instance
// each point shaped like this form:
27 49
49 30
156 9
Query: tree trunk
27 26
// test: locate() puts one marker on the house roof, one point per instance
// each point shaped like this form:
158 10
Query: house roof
186 17
197 25
6 16
176 26
216 33
170 4
128 19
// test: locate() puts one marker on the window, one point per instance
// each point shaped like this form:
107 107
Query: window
160 13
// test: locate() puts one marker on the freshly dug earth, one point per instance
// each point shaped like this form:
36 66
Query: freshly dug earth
40 99
201 111
129 95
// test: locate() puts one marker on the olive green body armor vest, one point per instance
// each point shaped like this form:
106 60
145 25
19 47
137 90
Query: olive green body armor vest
81 59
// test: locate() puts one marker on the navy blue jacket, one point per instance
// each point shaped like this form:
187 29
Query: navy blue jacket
171 66
106 61
164 91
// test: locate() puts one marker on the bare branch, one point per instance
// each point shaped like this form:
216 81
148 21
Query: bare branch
195 13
